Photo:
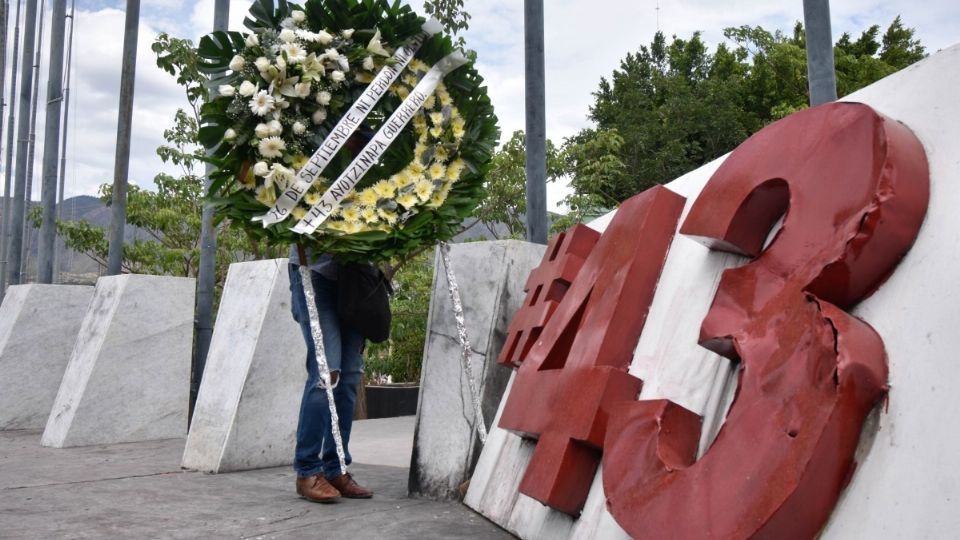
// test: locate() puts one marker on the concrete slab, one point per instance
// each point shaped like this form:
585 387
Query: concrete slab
38 329
129 375
491 277
247 407
137 490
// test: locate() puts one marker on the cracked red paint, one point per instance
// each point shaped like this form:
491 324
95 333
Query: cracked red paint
857 186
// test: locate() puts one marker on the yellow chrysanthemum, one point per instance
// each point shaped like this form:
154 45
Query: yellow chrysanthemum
418 152
352 227
441 154
420 123
267 195
368 197
388 215
402 179
437 132
424 189
407 200
455 170
369 214
299 162
385 189
418 65
436 118
351 213
364 77
430 102
403 92
416 168
436 171
311 198
458 132
298 213
410 80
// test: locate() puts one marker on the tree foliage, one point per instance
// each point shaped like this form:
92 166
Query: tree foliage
673 106
451 15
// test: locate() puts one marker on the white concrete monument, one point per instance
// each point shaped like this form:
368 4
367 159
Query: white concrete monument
491 277
128 378
907 482
38 329
246 411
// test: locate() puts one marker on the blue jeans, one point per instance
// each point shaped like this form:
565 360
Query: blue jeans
316 450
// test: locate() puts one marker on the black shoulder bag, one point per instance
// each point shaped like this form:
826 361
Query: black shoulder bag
363 300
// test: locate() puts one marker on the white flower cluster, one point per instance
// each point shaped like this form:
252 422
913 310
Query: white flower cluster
286 80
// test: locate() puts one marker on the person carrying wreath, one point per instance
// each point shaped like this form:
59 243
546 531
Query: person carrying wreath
319 478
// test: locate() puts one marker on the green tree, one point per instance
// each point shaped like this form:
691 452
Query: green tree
451 15
676 106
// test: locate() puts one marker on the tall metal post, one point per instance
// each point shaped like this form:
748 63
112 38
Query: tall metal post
23 132
124 123
820 68
51 142
536 136
207 274
61 181
4 19
32 143
8 161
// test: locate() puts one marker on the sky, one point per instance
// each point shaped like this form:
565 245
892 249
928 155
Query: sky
584 41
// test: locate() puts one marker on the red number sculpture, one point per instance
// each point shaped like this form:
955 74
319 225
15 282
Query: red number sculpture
579 364
855 187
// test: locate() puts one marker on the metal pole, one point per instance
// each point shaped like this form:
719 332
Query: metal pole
820 69
125 121
32 145
536 136
4 19
206 276
51 142
23 133
63 148
8 162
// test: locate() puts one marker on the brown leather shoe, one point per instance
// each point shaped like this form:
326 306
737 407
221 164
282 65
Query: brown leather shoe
349 487
316 488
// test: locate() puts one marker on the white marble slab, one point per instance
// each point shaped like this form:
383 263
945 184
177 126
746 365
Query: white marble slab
907 483
247 407
38 329
491 277
128 378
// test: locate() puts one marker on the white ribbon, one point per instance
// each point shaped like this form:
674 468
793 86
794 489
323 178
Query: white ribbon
370 155
345 127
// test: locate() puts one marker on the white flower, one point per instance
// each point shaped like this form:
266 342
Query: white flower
295 53
247 89
262 64
319 116
288 23
261 169
312 68
323 37
279 175
323 98
252 40
288 87
368 63
344 63
237 63
299 128
337 76
275 127
331 54
376 47
226 90
347 34
302 89
272 147
298 16
281 63
262 131
287 35
262 103
280 104
229 135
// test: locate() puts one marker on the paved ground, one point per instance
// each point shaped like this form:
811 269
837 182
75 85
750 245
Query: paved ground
138 491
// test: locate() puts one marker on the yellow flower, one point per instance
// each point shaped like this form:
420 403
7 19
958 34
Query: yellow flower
311 198
388 215
364 77
437 132
424 189
416 168
410 80
298 213
300 161
430 102
418 152
437 171
267 195
351 227
420 123
385 189
439 197
441 154
436 118
403 92
351 213
445 98
368 197
458 132
418 65
369 214
402 179
455 170
250 180
407 200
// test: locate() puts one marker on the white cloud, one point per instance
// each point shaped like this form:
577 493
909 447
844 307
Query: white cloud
585 41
